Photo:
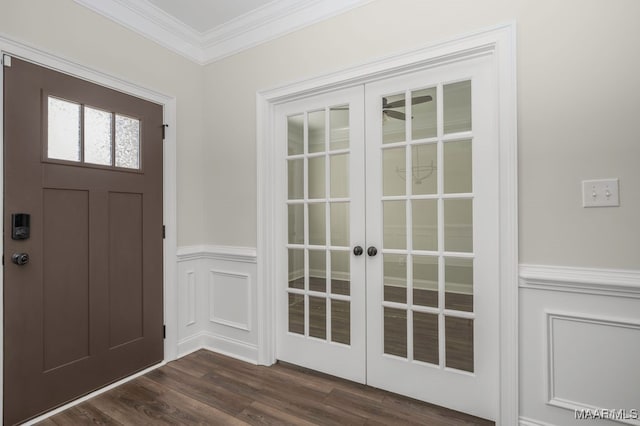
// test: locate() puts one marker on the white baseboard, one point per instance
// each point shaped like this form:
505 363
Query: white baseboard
220 344
525 421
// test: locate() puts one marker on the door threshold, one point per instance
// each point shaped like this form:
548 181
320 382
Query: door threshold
92 394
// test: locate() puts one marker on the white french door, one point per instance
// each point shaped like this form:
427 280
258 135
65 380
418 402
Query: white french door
321 304
389 271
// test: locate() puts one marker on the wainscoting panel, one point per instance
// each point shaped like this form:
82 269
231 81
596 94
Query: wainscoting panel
230 299
579 346
216 308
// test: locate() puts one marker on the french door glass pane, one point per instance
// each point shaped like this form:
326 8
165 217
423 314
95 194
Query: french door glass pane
457 167
457 107
395 332
339 175
295 134
339 224
339 122
317 270
394 220
393 171
318 317
97 136
459 343
296 179
395 277
425 281
296 313
296 223
317 224
425 224
423 111
316 177
340 272
458 276
424 176
458 225
296 268
393 115
340 321
63 130
425 337
316 131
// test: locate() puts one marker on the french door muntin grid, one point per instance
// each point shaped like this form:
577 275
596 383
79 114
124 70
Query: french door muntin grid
328 295
441 254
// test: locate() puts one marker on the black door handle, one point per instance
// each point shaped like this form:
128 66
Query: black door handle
372 251
20 258
357 250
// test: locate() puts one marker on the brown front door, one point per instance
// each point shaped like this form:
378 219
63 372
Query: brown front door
85 164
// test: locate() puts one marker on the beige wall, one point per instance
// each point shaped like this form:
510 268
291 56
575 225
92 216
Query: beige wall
578 106
65 28
578 113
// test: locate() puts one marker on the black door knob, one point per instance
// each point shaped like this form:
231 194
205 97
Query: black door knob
357 250
20 258
372 251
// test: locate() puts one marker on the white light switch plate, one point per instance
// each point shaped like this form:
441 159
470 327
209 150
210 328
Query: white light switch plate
600 193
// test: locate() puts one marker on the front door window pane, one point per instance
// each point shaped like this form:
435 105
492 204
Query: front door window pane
127 142
63 135
97 136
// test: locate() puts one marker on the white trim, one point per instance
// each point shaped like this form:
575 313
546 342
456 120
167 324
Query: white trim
525 421
73 67
258 26
229 253
607 282
249 305
219 344
550 316
499 41
92 395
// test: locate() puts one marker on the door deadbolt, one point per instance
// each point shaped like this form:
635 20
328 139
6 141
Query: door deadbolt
20 258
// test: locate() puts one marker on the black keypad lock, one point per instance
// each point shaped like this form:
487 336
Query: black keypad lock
20 223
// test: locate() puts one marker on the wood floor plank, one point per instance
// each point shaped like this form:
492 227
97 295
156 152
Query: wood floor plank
201 390
211 389
83 414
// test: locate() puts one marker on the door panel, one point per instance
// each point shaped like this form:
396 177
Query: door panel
86 163
320 305
431 210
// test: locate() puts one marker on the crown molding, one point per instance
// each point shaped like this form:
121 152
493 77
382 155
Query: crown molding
261 25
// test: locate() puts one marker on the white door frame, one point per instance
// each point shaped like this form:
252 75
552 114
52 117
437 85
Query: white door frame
500 43
32 54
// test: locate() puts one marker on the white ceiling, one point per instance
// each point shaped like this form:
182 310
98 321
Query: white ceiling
208 30
205 15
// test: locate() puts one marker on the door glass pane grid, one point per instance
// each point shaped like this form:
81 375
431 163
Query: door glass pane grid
91 136
318 305
416 313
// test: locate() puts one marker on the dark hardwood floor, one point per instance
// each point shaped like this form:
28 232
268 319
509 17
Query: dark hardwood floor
210 389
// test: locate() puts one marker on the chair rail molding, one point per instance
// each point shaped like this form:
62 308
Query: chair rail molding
606 282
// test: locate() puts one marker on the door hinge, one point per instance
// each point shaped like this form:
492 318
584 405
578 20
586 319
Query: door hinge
164 131
164 331
6 60
164 232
